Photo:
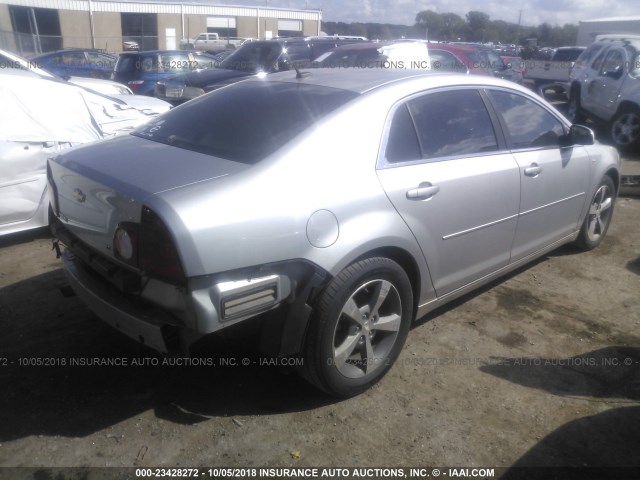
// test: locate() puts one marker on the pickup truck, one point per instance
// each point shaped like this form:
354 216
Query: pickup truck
553 72
213 42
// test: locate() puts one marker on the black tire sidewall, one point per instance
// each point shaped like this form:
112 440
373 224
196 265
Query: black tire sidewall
634 144
327 314
583 240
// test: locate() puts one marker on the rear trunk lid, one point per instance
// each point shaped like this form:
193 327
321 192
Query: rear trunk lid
94 188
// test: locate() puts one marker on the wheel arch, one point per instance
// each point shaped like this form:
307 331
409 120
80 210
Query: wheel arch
615 177
627 105
408 264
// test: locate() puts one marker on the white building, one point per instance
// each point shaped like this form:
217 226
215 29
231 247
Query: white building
35 26
588 29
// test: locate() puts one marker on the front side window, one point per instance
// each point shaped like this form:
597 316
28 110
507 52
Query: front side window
452 123
597 63
613 62
588 54
528 124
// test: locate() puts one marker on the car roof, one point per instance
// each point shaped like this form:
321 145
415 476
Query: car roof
70 50
144 52
362 80
633 40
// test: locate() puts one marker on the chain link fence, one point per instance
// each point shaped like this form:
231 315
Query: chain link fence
27 44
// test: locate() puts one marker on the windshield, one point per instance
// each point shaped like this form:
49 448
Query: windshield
253 57
247 121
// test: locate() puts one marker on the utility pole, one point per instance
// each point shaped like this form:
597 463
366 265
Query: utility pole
518 33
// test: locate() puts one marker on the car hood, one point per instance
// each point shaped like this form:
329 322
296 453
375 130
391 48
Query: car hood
210 77
139 167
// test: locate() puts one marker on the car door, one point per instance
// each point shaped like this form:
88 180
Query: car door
553 179
589 81
444 170
606 86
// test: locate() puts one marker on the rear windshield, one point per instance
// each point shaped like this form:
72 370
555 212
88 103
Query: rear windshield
247 121
167 62
567 55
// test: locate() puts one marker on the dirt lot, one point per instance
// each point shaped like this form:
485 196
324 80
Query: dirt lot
539 369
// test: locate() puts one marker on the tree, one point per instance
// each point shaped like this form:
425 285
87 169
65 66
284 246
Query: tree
478 23
453 26
429 23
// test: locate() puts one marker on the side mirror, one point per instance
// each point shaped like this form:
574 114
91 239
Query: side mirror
578 135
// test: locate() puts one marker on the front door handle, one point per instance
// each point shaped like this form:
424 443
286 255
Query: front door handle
533 171
424 191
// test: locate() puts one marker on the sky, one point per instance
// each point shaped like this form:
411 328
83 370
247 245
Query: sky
403 12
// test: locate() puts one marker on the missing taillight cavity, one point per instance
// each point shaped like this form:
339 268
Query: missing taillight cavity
157 253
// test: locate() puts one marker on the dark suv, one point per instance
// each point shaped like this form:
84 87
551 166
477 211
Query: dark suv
77 62
141 70
253 58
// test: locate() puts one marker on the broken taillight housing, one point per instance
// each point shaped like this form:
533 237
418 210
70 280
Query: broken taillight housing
149 247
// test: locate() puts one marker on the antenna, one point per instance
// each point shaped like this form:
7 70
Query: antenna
299 74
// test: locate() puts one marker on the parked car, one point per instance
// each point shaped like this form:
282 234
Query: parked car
114 90
481 60
554 72
39 118
347 203
605 88
130 45
252 58
212 42
77 62
141 70
416 56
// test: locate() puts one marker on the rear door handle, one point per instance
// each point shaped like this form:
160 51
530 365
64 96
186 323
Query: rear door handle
424 191
533 171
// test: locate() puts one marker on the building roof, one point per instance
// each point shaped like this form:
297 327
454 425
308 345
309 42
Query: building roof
191 7
612 19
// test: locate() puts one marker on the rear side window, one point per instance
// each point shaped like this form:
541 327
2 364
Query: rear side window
528 124
126 63
402 145
247 121
174 62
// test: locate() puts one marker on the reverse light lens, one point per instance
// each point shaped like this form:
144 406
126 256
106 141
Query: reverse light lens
123 244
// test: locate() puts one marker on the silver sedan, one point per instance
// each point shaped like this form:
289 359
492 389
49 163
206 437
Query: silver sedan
335 205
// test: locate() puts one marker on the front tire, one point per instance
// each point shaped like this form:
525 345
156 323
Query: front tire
360 324
624 129
599 216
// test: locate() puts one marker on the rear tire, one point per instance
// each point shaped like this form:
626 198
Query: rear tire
599 216
359 326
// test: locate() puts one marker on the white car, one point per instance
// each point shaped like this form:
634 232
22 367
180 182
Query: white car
605 88
117 90
39 118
